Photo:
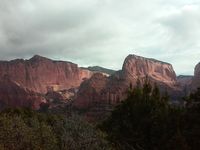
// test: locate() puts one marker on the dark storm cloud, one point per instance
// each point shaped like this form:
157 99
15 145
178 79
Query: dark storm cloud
100 32
42 27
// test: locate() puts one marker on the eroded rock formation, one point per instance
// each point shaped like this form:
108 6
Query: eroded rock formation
140 67
90 91
113 89
40 74
13 95
26 78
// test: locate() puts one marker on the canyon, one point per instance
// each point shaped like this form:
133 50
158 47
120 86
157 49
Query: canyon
42 80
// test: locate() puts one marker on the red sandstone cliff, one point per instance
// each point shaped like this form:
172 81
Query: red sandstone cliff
114 88
90 91
12 95
39 74
196 78
139 67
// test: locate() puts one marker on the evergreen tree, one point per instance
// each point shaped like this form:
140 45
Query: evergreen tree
144 120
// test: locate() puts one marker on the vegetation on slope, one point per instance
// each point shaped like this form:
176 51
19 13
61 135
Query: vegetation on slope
146 121
143 121
29 130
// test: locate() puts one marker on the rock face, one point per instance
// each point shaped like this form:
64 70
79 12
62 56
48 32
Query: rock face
185 81
91 91
136 66
196 79
26 78
40 74
61 79
113 89
13 95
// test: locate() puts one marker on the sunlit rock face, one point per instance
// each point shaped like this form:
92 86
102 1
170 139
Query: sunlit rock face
40 74
13 95
113 89
136 68
140 67
196 79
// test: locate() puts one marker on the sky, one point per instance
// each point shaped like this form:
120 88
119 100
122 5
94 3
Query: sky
102 32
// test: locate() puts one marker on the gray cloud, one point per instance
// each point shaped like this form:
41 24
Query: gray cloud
102 32
181 31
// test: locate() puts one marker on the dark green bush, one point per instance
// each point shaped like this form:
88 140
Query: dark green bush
146 121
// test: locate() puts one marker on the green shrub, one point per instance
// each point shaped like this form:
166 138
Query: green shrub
144 121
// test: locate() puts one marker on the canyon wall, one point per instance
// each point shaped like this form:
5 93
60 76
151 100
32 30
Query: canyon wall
12 95
196 78
114 88
40 74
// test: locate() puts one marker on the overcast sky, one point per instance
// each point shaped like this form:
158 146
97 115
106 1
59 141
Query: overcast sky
102 32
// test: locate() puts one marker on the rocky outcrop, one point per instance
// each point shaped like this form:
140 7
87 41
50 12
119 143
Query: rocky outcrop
196 79
40 74
13 95
113 89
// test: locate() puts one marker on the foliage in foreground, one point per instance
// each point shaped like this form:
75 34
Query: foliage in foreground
30 130
146 121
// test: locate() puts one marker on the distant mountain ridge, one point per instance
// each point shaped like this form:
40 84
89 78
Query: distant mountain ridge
100 69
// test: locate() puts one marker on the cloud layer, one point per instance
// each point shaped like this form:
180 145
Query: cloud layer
102 32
